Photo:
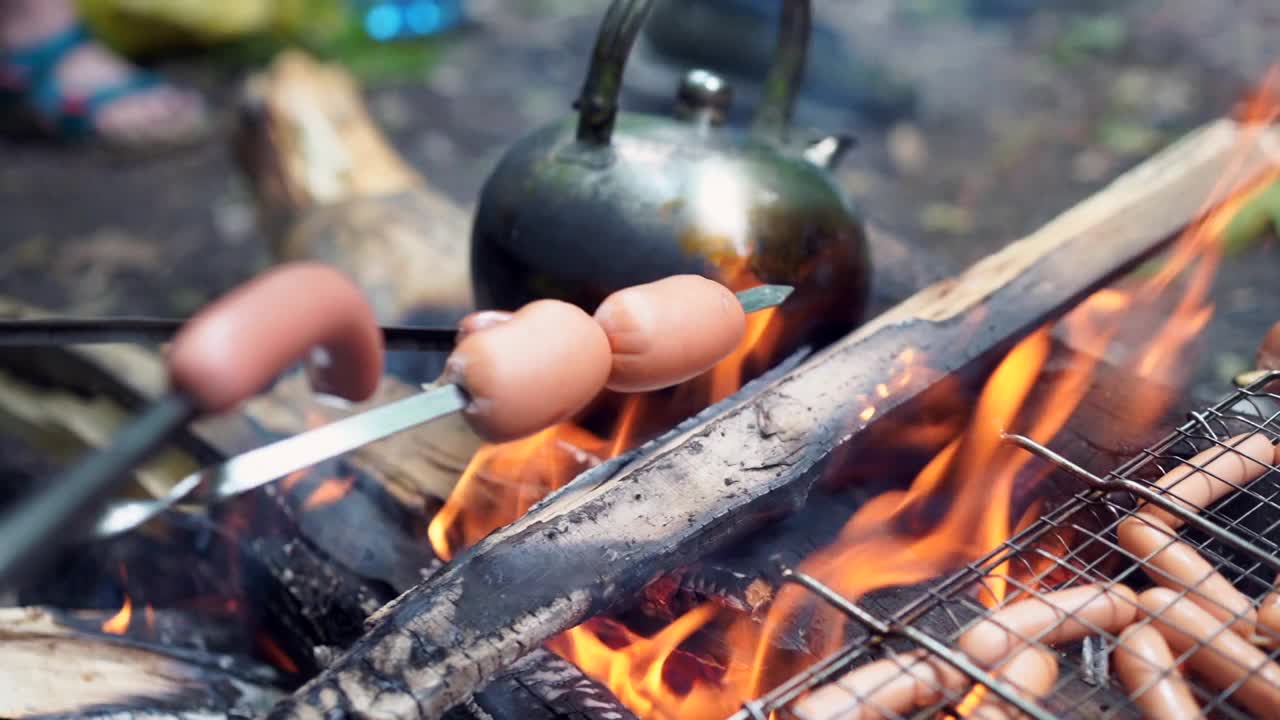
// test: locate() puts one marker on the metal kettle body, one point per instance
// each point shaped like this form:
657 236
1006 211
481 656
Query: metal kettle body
605 200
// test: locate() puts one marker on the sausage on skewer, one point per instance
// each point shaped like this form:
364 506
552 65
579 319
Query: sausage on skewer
234 347
546 362
669 331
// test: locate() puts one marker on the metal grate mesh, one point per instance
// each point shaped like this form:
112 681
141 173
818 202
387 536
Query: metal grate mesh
1095 610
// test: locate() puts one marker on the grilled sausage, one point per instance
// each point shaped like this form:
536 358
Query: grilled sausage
1224 470
1269 616
892 687
1032 673
1176 565
669 331
1049 619
233 348
540 367
1216 654
1146 666
483 320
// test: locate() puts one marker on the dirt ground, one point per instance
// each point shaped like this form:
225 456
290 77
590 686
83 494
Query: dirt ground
1021 117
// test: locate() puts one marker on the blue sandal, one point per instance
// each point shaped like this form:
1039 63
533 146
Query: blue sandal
29 90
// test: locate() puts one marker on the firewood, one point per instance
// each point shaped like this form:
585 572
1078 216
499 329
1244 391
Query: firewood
542 686
320 572
49 667
330 187
599 540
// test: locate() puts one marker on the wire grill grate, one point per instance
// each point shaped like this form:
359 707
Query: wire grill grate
1043 617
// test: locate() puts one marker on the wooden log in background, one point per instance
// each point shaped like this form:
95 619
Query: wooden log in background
590 547
330 187
53 668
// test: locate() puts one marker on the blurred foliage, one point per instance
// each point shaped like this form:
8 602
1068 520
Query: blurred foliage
141 27
1127 137
1001 10
1251 222
1085 36
245 34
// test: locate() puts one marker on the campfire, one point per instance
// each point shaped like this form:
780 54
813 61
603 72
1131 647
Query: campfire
962 509
992 500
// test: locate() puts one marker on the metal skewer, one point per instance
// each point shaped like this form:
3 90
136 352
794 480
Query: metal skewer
31 525
267 464
54 331
43 332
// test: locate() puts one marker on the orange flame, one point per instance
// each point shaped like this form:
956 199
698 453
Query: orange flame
328 492
636 664
118 624
503 481
892 540
957 509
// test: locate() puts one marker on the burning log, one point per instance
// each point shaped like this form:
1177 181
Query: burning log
543 686
599 540
50 666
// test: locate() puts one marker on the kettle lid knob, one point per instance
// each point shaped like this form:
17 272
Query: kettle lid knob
704 95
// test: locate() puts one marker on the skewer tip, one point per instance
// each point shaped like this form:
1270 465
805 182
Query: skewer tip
763 297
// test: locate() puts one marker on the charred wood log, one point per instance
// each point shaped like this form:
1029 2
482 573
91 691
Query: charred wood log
52 667
601 539
542 686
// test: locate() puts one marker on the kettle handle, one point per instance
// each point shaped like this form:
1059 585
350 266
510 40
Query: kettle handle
597 105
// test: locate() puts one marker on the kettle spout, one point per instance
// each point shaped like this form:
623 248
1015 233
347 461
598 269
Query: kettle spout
829 151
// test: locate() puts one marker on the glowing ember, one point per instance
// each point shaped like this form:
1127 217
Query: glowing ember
118 624
330 491
276 656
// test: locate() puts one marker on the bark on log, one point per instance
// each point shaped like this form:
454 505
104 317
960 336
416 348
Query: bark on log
599 541
49 668
542 686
